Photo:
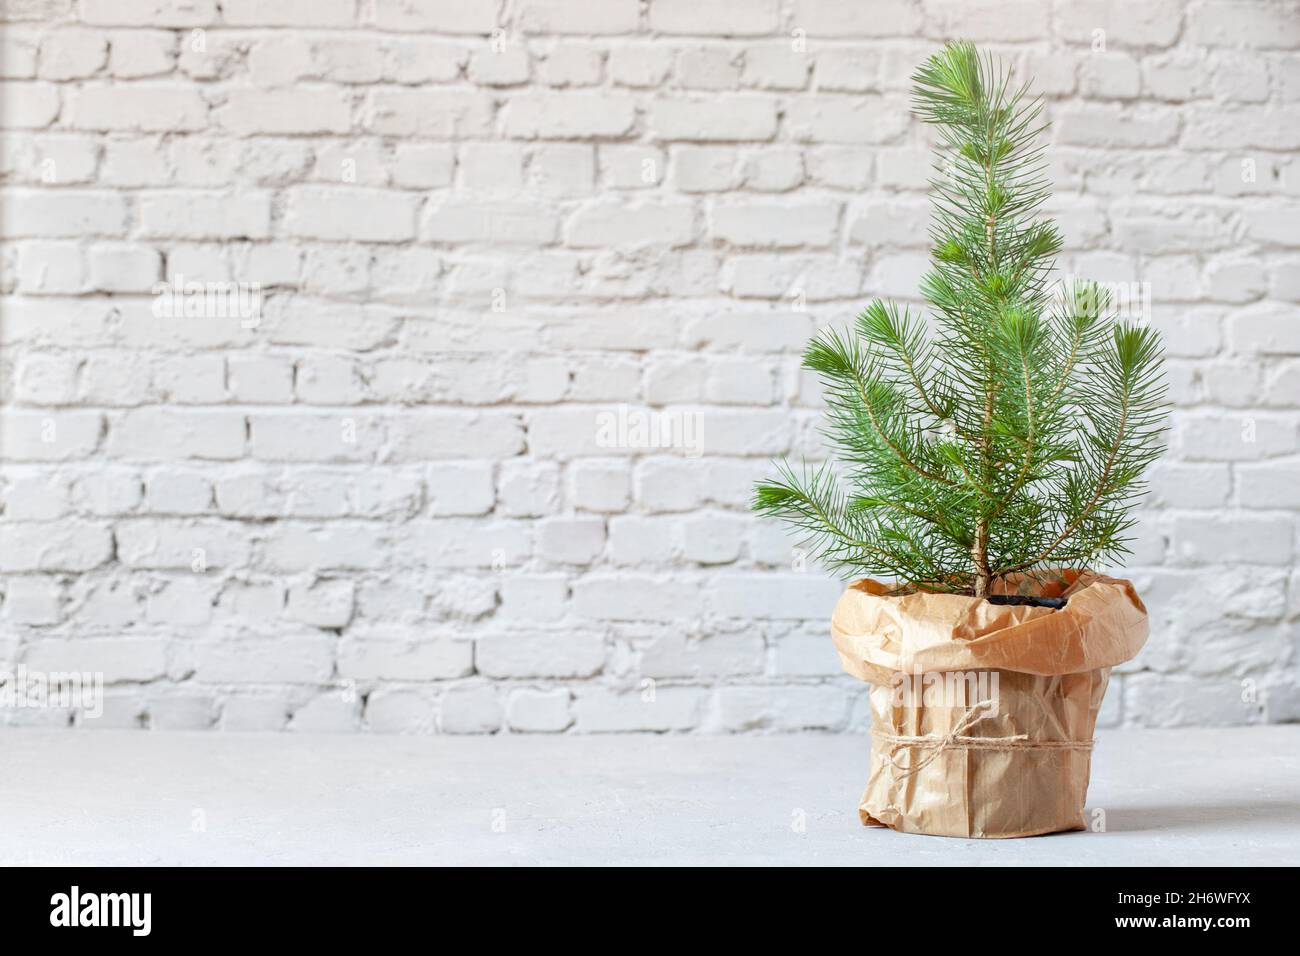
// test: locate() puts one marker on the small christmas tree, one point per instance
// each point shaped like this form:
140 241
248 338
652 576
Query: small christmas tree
1013 440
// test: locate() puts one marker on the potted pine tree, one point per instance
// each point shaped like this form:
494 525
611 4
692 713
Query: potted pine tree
986 468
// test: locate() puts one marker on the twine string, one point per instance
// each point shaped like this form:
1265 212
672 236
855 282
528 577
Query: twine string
936 744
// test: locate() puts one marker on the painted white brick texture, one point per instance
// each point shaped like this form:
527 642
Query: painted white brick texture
485 315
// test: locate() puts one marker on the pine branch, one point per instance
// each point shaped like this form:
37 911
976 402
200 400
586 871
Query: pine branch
1017 434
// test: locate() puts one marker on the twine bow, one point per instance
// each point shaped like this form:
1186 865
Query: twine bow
936 744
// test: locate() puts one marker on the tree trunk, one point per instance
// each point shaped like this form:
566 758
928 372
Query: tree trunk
979 554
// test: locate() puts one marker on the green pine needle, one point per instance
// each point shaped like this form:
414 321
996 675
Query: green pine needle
1015 437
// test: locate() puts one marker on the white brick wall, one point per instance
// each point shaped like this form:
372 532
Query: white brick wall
409 493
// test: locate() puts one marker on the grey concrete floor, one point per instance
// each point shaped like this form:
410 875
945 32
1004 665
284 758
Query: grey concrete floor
1229 797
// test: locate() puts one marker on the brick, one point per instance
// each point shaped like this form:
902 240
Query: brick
72 54
374 654
722 18
640 65
123 268
178 492
299 321
572 66
107 494
533 597
366 215
440 16
891 223
1268 485
701 169
740 118
51 268
399 711
194 546
1110 76
635 598
42 379
419 437
1153 24
181 602
776 225
141 107
28 105
34 498
501 66
324 604
850 70
34 601
805 654
324 437
674 654
565 654
543 17
631 226
62 213
289 112
117 658
1178 485
600 709
638 541
708 68
528 488
335 547
776 67
165 435
1268 329
284 659
205 215
49 436
1218 23
501 222
817 707
465 543
571 540
148 13
839 18
1244 126
18 56
568 116
329 713
1182 701
261 380
54 546
288 13
856 119
470 709
1203 540
428 114
599 486
712 539
800 596
539 711
1271 223
1103 125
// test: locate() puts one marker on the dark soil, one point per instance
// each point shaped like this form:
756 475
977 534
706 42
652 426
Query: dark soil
1031 601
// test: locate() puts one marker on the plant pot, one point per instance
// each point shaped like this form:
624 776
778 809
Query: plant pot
983 714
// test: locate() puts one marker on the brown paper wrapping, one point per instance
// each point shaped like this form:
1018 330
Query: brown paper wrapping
961 765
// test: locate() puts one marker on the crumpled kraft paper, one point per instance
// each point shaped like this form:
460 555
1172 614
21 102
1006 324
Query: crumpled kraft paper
983 714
